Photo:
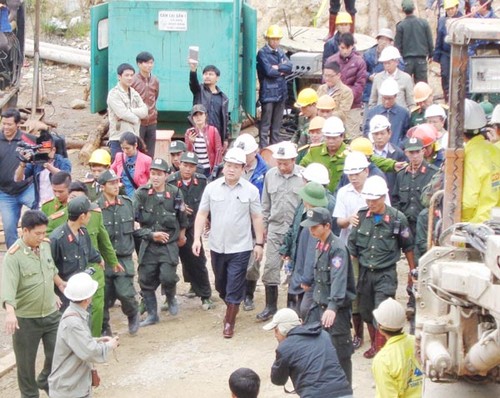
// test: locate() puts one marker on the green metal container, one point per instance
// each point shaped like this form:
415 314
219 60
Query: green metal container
224 31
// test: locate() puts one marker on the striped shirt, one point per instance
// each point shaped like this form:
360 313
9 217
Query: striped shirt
200 148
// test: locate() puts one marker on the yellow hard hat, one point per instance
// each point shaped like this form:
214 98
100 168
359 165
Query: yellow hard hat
306 97
316 123
450 4
274 32
343 17
325 102
421 91
363 145
100 156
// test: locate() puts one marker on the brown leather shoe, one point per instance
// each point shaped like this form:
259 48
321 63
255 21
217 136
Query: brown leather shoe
230 320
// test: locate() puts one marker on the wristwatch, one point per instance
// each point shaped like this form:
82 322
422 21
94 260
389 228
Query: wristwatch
259 244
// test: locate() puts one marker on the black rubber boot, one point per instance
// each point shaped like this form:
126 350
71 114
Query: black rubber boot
151 308
248 304
271 304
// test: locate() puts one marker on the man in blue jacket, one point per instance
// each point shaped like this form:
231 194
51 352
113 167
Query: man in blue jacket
272 67
306 355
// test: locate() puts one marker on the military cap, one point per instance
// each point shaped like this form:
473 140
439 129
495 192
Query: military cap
189 157
413 144
316 216
106 176
80 205
177 147
160 164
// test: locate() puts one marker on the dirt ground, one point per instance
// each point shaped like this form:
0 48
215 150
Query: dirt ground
183 356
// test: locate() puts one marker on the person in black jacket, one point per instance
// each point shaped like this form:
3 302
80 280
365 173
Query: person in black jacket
212 97
272 67
306 355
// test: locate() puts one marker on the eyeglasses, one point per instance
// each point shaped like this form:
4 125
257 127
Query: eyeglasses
330 75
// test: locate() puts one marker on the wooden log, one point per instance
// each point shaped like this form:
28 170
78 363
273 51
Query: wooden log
75 144
62 54
94 140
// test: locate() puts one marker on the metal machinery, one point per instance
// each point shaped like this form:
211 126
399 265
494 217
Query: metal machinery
458 291
224 31
12 56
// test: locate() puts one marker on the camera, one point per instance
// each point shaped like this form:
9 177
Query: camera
28 153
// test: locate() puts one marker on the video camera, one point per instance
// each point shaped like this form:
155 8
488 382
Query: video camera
29 153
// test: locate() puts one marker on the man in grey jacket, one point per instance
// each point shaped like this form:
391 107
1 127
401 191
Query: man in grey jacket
125 108
76 349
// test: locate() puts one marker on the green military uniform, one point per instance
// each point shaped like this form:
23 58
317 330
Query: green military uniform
28 286
417 116
71 254
118 218
100 240
94 189
384 164
159 212
301 135
334 288
194 268
408 189
50 207
334 164
376 243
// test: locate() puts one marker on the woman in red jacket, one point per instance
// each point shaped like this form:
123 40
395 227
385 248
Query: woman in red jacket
131 164
204 140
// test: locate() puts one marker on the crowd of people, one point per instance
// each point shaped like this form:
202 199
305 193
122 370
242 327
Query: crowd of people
329 218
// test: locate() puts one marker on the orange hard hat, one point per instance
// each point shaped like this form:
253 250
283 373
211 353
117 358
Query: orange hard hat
426 132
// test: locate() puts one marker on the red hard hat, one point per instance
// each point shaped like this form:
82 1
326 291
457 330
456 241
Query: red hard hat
426 132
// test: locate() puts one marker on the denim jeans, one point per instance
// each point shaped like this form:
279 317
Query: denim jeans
115 147
10 208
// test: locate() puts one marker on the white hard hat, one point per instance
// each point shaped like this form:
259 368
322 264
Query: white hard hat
474 116
247 143
495 116
285 150
374 188
386 33
333 127
389 87
379 123
80 286
355 162
435 110
390 315
235 155
389 53
316 172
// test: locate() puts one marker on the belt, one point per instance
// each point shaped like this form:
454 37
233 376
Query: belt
371 268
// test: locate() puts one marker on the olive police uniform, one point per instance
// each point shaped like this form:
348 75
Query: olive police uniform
376 242
118 218
100 240
159 212
28 286
194 268
334 288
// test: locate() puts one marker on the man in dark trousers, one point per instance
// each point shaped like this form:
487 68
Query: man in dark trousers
414 41
334 287
192 185
70 243
118 217
160 211
272 67
305 354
